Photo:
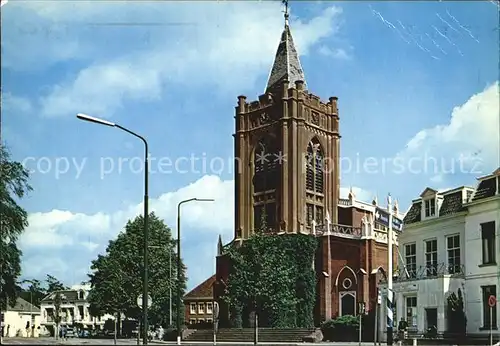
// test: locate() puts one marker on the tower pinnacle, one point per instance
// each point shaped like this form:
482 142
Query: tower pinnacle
285 2
286 62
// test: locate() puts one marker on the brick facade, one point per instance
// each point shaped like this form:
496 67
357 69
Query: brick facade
301 193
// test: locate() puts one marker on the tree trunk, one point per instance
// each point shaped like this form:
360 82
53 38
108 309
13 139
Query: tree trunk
116 318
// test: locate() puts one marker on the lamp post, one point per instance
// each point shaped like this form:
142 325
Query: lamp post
145 301
179 266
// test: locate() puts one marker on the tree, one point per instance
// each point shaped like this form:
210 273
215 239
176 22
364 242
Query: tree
34 293
457 320
57 312
37 289
53 284
117 275
13 220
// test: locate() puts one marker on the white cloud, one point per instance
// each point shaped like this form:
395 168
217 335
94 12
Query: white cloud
336 53
15 104
71 240
226 44
469 142
359 194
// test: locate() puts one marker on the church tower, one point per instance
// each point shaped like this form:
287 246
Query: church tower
286 146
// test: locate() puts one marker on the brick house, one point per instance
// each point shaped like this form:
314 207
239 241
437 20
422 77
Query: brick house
198 303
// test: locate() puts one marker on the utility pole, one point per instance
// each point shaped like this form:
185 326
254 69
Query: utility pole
390 317
170 286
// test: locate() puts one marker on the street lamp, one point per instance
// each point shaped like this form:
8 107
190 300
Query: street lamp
179 267
145 295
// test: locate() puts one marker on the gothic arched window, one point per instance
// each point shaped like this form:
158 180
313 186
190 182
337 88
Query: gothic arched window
315 161
315 183
267 165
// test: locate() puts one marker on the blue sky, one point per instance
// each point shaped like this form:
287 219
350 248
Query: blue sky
414 80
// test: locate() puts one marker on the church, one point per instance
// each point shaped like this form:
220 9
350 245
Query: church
287 153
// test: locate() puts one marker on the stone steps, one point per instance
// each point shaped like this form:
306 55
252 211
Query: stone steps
247 335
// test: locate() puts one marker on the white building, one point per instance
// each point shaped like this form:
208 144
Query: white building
482 234
74 309
431 258
20 320
449 242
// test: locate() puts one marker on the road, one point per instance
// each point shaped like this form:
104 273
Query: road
71 341
77 341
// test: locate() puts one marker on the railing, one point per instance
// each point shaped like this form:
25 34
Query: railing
428 272
343 201
336 229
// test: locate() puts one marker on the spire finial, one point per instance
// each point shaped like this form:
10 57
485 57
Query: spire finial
285 2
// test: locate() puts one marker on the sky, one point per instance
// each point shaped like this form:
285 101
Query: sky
417 84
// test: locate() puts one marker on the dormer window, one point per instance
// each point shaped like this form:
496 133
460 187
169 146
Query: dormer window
430 207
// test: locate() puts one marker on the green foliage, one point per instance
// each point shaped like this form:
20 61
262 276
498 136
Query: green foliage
57 307
37 289
13 220
347 321
118 274
274 276
457 320
343 328
53 284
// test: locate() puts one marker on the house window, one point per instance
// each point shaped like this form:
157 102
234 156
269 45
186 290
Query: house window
488 242
431 257
411 259
453 253
192 308
201 320
201 308
411 311
489 315
192 321
430 207
209 320
209 308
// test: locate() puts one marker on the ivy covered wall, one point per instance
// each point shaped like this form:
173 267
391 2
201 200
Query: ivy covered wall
274 276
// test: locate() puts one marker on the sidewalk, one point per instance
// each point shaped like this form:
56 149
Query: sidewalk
263 343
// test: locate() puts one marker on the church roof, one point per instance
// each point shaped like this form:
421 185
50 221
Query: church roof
286 62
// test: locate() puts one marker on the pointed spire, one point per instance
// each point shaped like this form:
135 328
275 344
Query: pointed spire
351 195
328 222
219 246
286 62
395 208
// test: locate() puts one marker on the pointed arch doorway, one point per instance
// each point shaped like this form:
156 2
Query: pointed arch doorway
347 303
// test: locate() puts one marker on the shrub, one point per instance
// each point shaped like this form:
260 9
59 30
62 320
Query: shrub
343 328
